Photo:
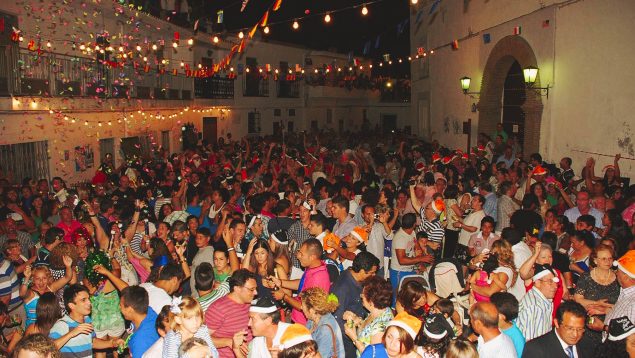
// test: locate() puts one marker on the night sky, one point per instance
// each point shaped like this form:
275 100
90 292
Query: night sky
348 31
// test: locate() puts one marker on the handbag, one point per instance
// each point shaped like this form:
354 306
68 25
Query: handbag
333 340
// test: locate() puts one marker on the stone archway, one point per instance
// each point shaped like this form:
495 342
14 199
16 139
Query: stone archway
505 52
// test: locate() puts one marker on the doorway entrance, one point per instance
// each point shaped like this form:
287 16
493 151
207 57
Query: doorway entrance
210 129
513 99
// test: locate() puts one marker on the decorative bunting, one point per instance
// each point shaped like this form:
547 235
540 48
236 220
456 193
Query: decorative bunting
455 44
244 5
276 5
517 30
264 20
487 38
253 31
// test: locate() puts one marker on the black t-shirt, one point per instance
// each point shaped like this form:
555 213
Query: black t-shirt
522 220
560 262
124 195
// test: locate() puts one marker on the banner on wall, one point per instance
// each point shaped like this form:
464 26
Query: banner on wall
84 158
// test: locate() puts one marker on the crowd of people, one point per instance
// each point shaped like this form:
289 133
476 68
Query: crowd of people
322 246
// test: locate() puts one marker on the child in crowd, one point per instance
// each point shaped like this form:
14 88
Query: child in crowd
186 321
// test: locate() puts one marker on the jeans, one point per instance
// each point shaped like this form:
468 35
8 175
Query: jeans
395 278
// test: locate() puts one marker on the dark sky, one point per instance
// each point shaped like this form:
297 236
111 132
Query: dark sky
348 30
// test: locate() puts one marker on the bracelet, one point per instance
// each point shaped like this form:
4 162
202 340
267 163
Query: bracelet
92 216
231 249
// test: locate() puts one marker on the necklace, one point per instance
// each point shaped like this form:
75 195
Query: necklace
602 279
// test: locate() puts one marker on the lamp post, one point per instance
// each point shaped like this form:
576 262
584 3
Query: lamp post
530 74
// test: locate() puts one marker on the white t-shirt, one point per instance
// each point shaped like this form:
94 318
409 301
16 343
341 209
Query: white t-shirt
155 350
518 288
474 219
258 346
402 241
501 346
157 296
522 253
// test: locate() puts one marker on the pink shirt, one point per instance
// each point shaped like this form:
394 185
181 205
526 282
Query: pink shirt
312 277
627 214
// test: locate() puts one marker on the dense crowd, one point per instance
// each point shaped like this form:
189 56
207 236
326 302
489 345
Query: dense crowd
322 245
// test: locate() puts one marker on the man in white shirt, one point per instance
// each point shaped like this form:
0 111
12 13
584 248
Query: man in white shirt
492 343
265 324
536 308
377 232
160 292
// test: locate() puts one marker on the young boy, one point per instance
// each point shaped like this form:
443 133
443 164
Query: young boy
507 306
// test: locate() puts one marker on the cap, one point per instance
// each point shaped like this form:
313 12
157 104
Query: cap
626 263
620 328
436 157
360 234
539 170
437 327
409 323
541 271
281 237
263 305
294 335
438 206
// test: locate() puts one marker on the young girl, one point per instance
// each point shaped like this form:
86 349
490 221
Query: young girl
186 321
355 243
42 282
483 277
48 311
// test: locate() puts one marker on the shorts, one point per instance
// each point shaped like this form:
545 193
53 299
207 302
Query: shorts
116 331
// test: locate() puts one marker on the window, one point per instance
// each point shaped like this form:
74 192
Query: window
165 140
253 122
106 146
277 112
329 116
292 112
25 160
290 126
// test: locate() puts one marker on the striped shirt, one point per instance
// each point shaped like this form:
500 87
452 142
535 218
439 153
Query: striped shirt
625 306
224 318
298 234
534 314
221 291
172 342
77 347
433 229
500 346
9 284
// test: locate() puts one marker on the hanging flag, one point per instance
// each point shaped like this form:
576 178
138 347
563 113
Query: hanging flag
298 68
434 7
241 48
174 72
253 31
421 51
377 41
517 30
146 69
545 23
177 36
268 68
2 24
244 5
455 44
356 62
276 5
195 27
386 57
366 48
219 17
487 38
265 18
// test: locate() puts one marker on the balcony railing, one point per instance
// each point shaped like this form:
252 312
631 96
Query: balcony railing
255 86
24 72
288 89
214 87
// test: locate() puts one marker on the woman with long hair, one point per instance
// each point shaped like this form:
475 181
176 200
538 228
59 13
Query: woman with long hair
156 249
506 273
42 282
48 311
538 189
562 228
318 307
582 243
259 260
279 247
453 213
414 299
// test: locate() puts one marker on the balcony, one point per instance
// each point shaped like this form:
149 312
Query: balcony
288 89
255 86
25 73
214 88
396 91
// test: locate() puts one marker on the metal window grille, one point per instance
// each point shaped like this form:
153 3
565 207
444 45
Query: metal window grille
25 160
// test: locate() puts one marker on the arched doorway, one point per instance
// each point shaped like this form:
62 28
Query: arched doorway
510 55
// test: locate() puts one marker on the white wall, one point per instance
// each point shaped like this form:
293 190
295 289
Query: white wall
585 55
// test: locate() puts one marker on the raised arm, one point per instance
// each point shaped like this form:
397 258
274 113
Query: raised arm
116 281
68 275
414 200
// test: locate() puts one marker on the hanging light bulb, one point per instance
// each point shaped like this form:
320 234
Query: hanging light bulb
364 10
85 123
154 47
82 47
182 64
190 42
175 45
200 65
215 39
266 30
120 48
295 25
327 18
241 35
138 48
145 59
48 44
414 2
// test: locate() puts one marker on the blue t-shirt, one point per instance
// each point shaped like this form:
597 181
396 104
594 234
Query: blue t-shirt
517 337
79 346
374 351
144 336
